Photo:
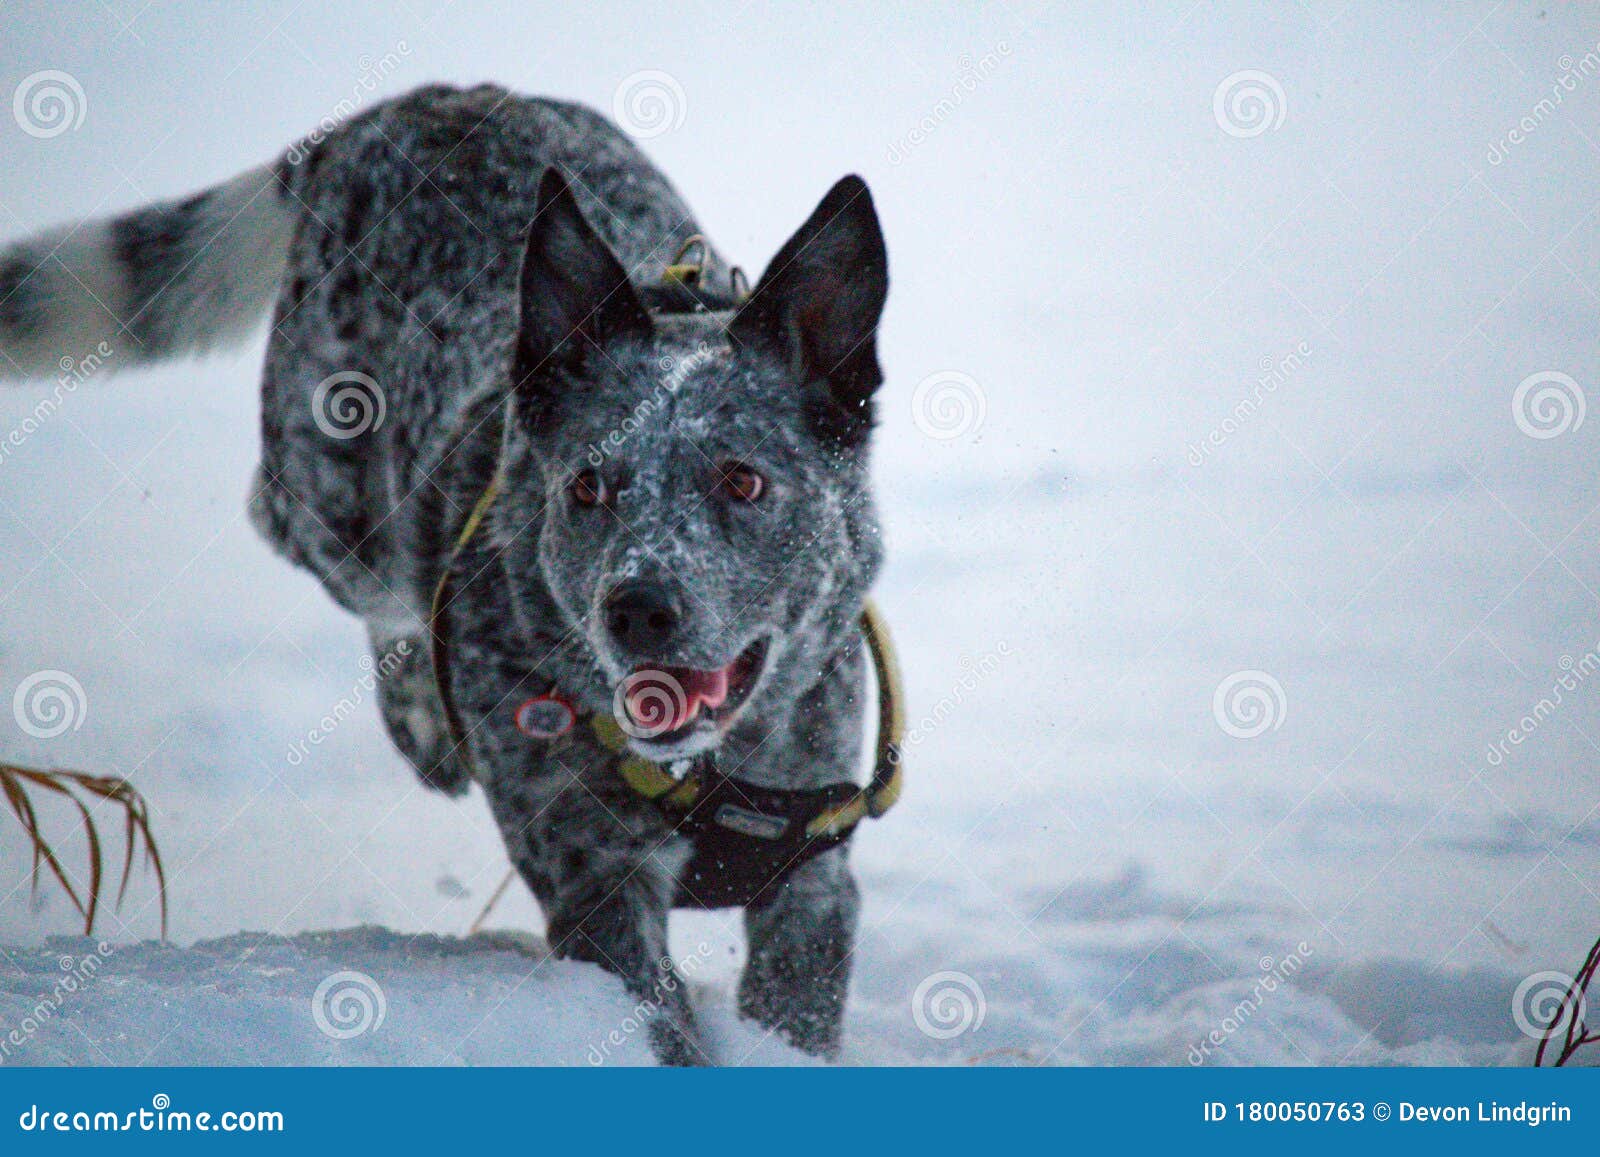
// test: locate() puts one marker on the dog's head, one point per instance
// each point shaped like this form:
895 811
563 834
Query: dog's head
693 486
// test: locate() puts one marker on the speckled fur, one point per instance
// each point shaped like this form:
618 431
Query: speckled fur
412 262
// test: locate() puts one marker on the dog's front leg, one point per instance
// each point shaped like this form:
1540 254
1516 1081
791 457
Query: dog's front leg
801 945
620 923
605 878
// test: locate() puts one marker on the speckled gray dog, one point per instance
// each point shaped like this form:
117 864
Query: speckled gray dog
462 281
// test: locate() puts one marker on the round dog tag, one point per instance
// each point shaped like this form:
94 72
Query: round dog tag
545 717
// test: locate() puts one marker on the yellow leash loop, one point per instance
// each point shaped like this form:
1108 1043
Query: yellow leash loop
686 270
683 270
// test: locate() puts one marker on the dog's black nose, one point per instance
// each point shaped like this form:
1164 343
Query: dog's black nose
642 616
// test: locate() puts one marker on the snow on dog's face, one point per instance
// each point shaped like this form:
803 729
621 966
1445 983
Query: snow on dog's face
697 481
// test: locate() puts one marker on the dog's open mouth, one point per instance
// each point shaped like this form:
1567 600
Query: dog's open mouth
664 704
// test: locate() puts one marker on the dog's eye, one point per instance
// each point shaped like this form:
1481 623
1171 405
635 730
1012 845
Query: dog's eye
741 482
587 489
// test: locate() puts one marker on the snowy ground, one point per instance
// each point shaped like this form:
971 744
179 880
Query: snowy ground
243 1000
1085 849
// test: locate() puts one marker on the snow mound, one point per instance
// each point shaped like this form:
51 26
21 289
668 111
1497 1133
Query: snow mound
372 996
363 996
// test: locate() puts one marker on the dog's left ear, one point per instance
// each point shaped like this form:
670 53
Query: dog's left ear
820 300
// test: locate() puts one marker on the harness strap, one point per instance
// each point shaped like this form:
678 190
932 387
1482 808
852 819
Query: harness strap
436 620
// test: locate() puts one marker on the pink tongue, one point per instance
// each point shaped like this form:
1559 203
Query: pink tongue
700 689
707 687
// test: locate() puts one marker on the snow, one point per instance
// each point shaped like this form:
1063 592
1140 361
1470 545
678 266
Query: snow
1085 853
376 997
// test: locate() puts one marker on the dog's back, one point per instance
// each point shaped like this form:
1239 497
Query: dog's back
387 253
400 290
420 192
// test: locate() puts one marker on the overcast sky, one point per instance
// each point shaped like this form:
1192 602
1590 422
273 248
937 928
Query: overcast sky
1088 227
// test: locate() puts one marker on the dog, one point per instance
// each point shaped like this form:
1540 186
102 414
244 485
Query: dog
500 410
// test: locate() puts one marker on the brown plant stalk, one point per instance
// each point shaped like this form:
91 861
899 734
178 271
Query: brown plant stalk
1569 1019
80 788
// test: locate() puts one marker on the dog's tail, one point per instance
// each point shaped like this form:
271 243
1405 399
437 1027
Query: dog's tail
174 278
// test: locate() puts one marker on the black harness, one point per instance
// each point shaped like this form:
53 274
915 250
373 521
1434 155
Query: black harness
747 840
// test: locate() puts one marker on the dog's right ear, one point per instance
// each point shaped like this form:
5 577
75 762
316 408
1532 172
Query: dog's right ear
574 293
